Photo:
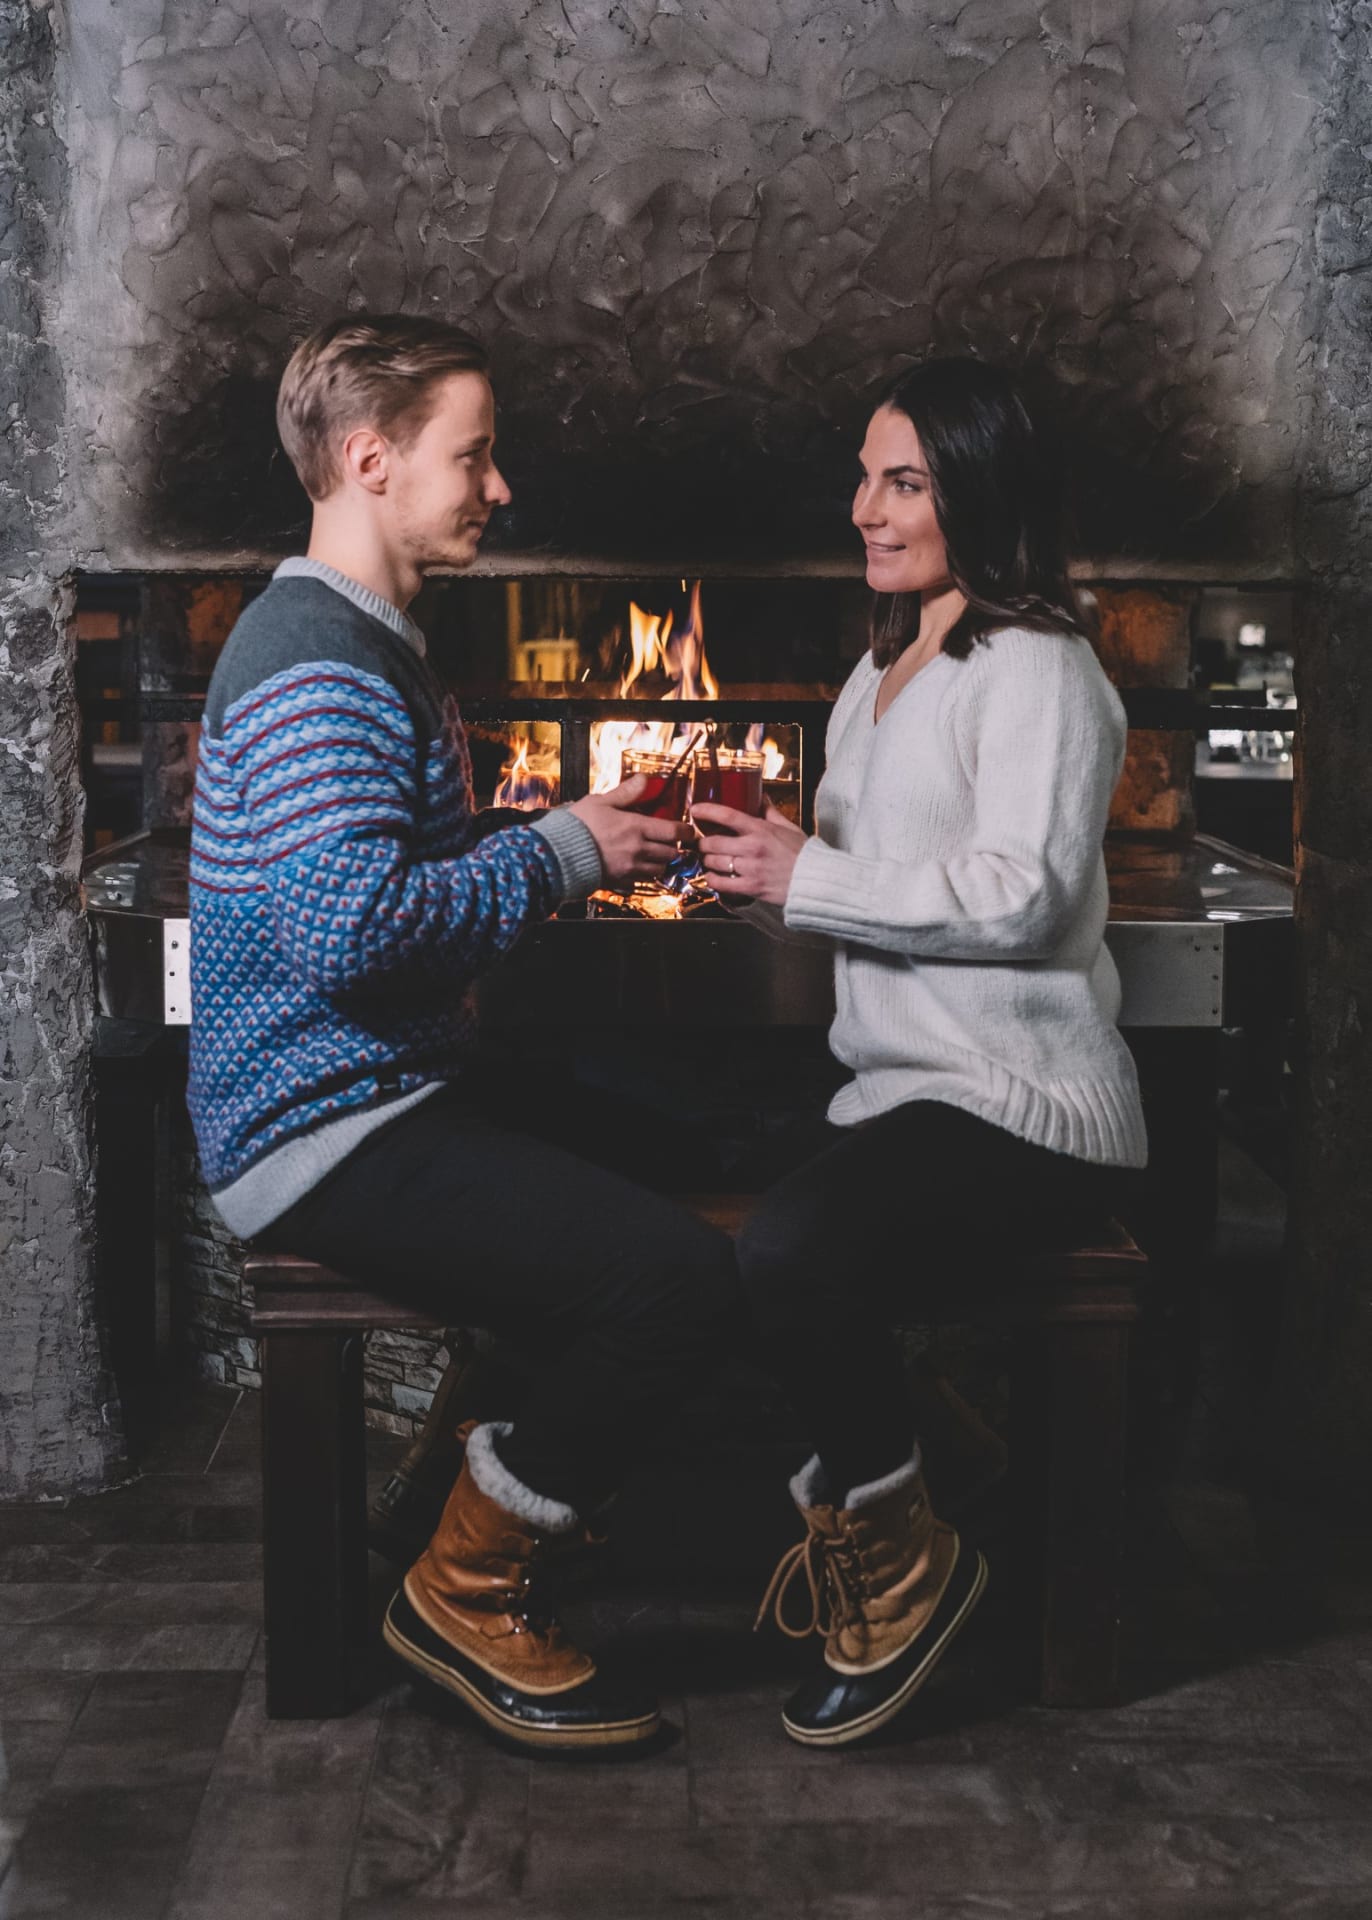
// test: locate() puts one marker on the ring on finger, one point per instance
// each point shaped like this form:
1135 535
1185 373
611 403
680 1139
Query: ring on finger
733 868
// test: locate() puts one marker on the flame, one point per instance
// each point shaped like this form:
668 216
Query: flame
530 779
773 759
684 657
654 647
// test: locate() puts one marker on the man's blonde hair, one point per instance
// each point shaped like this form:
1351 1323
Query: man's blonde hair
367 370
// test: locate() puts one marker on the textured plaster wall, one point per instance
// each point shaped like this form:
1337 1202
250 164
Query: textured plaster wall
695 233
59 1429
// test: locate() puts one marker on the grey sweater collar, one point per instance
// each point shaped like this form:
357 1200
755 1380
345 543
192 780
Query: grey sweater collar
390 615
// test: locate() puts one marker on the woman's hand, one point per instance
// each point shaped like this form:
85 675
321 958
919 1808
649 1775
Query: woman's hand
754 859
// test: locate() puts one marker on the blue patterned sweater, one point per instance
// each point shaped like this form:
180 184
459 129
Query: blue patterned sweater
344 896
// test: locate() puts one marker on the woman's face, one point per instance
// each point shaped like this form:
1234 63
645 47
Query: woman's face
894 510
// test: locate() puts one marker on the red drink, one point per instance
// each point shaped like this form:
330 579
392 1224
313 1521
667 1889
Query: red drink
735 782
664 795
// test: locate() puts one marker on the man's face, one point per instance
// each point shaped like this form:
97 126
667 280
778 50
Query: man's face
443 487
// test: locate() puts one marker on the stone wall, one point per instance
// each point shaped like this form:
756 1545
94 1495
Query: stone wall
59 1425
1322 1425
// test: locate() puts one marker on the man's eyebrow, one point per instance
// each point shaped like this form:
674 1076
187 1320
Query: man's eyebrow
475 446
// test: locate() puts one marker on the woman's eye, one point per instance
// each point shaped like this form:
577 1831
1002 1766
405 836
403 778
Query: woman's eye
908 486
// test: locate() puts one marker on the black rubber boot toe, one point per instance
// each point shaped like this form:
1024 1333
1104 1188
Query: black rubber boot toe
599 1712
834 1709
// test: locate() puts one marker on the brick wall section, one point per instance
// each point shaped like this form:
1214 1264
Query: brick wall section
210 1312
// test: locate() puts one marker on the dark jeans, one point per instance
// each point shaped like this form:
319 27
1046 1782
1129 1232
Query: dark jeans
488 1226
885 1224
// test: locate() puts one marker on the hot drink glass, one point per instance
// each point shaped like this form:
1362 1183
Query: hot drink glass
664 796
732 779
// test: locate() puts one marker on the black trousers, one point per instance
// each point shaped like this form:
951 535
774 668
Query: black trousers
489 1225
880 1225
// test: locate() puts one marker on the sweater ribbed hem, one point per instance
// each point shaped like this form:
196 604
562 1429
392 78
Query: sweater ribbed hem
574 847
1086 1120
301 567
273 1184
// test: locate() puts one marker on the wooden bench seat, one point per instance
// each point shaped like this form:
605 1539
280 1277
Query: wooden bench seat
1071 1315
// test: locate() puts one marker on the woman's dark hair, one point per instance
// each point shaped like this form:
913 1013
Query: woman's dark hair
998 502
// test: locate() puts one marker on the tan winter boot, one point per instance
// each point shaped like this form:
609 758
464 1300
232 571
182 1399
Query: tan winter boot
467 1617
890 1586
476 1384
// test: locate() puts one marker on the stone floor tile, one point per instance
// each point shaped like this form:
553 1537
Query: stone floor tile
925 1794
279 1816
29 1751
97 1648
137 1729
178 1562
100 1853
1270 1706
945 1906
1115 1784
111 1519
1243 1854
109 1603
37 1713
637 1791
446 1814
605 1904
795 1868
51 1697
1270 1902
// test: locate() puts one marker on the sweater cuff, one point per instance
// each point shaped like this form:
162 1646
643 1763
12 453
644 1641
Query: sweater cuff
831 892
575 850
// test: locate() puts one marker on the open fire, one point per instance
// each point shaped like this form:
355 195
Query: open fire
679 658
529 778
658 652
666 662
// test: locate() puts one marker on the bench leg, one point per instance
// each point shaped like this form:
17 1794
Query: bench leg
1068 1415
313 1513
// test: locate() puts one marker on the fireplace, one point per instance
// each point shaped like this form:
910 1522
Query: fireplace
667 999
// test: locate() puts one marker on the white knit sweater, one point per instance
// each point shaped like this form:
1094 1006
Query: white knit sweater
958 867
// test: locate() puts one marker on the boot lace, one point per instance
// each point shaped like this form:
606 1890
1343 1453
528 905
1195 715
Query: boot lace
835 1580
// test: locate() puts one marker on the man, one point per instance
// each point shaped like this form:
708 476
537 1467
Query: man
343 897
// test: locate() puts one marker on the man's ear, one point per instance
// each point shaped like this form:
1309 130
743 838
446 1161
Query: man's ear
366 459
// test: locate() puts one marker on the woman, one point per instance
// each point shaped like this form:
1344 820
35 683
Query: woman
957 869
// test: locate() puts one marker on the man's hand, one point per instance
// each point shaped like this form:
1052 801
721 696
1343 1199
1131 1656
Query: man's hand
632 846
754 860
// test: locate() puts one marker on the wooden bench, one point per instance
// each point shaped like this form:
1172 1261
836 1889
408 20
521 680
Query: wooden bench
1071 1317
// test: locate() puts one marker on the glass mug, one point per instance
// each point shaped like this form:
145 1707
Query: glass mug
664 796
735 782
